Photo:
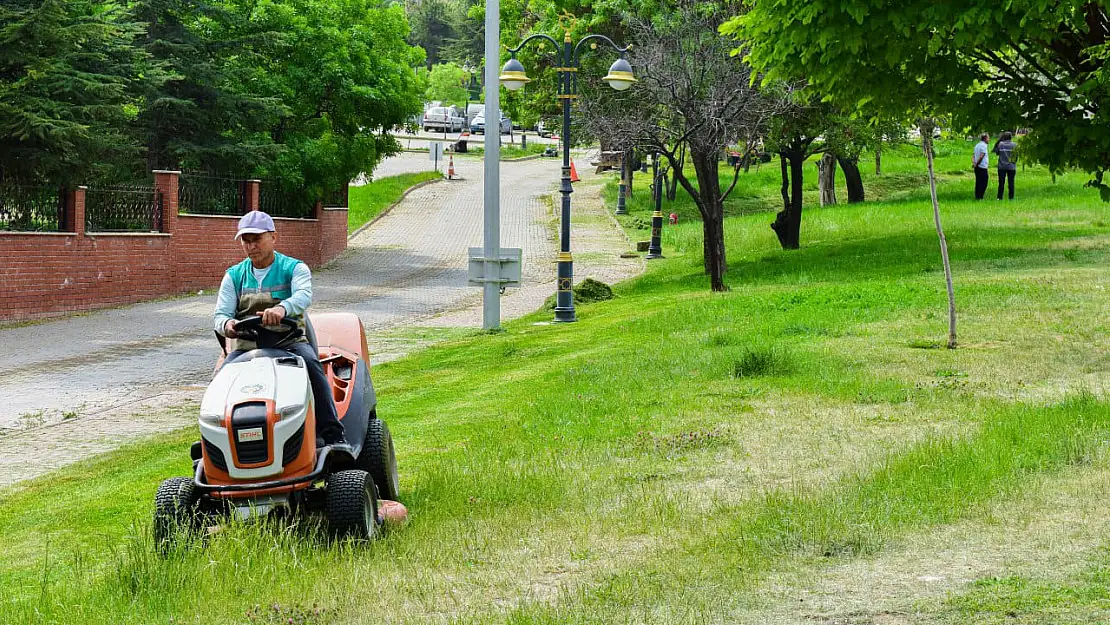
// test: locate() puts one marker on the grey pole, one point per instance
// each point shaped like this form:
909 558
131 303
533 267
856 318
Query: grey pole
491 291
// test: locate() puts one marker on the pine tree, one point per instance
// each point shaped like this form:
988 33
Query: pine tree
68 75
207 114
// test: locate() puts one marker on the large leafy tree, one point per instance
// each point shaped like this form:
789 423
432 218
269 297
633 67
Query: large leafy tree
447 83
991 64
345 75
68 75
919 59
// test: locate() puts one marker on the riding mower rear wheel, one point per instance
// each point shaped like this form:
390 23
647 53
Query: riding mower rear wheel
351 505
379 459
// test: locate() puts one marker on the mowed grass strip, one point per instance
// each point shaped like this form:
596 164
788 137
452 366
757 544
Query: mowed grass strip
655 460
367 201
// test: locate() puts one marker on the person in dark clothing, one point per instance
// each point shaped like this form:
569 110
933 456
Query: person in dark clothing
1007 165
980 161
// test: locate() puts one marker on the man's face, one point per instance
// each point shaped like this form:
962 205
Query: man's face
259 247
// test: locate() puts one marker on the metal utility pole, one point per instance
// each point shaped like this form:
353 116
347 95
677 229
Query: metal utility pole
491 289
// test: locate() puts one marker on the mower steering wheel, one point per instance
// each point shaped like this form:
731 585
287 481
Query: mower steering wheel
251 329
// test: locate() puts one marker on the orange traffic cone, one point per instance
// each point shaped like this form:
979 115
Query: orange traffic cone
451 166
573 173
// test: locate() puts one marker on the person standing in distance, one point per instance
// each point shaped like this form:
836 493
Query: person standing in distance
981 161
1007 164
274 286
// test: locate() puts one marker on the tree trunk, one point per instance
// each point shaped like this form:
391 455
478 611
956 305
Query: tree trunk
712 213
852 178
879 158
927 144
672 189
785 190
826 179
788 223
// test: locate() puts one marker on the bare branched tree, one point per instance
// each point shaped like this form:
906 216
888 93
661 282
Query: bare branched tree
693 95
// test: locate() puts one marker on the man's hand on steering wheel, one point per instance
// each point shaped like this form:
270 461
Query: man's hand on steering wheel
272 316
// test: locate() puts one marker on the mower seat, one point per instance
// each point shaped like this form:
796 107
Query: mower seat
310 334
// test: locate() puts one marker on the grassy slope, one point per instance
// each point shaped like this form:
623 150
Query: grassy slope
369 200
663 457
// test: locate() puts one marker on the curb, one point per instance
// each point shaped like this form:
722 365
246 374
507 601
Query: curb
530 157
391 206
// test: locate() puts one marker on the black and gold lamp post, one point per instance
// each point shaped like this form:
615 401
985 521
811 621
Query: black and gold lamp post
620 78
655 248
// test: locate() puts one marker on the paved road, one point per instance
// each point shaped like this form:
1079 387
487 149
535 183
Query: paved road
86 384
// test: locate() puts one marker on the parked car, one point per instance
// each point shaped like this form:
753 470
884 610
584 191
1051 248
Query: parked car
443 119
478 126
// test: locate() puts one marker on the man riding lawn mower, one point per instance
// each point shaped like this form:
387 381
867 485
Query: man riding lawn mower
289 422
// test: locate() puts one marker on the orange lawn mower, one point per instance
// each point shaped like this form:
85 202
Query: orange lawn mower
259 455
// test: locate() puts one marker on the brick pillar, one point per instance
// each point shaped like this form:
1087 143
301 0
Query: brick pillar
75 210
167 182
253 187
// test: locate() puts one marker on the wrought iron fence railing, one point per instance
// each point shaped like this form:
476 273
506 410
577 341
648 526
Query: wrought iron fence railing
280 202
123 209
202 194
336 198
31 208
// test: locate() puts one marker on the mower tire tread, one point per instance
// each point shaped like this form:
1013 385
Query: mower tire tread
174 510
379 459
351 506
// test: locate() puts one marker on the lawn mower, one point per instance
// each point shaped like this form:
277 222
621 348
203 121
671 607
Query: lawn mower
258 453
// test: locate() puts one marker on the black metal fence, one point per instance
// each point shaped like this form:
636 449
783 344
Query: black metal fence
123 209
336 198
30 208
204 194
279 202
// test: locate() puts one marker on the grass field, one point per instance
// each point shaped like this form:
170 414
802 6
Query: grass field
797 450
369 200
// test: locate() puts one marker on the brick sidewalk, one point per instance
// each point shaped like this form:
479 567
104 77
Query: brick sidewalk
86 384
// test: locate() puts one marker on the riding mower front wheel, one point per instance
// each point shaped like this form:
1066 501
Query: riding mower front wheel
351 505
174 511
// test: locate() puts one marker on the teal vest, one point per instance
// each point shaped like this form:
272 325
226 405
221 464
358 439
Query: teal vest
254 297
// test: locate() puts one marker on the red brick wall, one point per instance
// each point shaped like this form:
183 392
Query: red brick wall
49 274
45 274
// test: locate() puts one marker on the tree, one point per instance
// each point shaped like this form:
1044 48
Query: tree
992 64
209 113
918 59
691 92
447 84
345 75
430 21
793 134
68 75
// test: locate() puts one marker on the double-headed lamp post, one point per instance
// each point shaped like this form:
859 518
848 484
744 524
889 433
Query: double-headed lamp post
620 78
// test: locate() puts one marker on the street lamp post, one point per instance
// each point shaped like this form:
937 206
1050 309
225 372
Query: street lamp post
655 248
471 89
620 78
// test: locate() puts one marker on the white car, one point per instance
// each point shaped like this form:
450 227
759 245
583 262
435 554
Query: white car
443 119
